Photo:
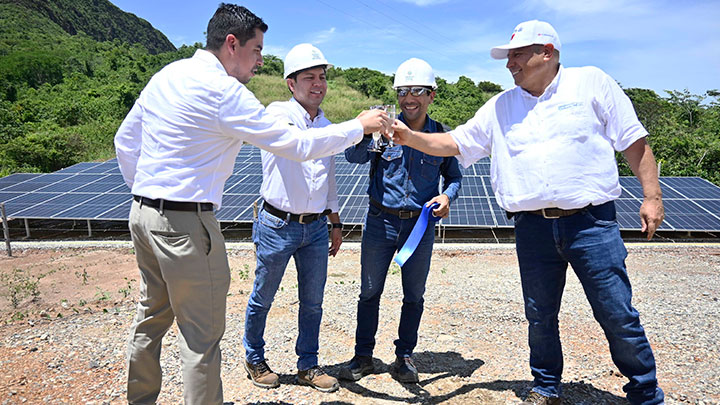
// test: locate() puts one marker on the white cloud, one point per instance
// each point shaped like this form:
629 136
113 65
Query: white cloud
323 36
279 51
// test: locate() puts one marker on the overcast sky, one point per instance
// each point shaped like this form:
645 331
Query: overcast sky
659 45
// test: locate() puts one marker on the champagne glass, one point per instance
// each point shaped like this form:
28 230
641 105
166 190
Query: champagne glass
390 109
376 144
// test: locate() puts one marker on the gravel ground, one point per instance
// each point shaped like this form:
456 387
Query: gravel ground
472 346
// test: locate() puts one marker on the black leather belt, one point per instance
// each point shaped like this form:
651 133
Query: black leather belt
554 213
174 205
301 218
402 214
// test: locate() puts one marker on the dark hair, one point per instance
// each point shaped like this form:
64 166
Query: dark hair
232 19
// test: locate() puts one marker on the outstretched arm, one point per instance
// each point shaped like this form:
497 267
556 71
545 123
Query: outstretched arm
439 144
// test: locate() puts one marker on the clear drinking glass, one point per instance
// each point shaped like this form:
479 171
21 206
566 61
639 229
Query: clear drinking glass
377 144
390 109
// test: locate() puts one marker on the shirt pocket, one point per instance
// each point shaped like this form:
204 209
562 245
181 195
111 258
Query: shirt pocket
392 162
430 167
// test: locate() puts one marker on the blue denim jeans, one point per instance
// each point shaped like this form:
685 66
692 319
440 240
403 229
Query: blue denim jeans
385 234
590 242
275 242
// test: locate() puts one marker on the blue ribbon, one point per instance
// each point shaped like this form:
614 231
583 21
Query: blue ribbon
417 233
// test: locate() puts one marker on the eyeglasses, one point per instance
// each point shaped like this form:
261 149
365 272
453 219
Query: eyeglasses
415 91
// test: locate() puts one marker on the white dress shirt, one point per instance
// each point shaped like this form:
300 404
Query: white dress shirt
299 187
556 150
180 140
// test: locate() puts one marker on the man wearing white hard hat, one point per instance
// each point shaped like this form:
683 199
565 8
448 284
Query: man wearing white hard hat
299 198
402 181
552 140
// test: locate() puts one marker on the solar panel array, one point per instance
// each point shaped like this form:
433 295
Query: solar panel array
96 191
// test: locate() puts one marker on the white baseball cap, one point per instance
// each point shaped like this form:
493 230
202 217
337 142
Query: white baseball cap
528 33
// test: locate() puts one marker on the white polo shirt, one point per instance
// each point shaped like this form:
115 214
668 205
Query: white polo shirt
298 187
180 140
556 150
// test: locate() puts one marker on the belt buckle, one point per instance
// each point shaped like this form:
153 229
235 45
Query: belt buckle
301 218
549 216
403 214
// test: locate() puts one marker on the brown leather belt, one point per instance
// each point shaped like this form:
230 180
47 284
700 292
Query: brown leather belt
301 218
402 214
174 205
554 213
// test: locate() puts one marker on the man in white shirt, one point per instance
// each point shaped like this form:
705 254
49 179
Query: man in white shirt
553 139
176 148
298 197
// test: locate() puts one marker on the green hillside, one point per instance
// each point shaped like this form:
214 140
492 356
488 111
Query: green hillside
70 71
98 19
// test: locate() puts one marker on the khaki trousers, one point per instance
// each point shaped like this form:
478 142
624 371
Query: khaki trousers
185 277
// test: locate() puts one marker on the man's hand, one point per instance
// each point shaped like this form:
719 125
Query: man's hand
375 121
444 209
401 133
335 241
652 214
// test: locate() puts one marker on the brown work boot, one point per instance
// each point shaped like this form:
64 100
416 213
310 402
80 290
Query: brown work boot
536 398
261 375
316 378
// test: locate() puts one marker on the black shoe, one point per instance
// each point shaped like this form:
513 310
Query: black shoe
405 370
358 367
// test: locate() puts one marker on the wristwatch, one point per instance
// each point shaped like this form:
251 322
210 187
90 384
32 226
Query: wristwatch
338 225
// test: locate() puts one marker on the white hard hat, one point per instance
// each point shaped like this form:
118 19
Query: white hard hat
414 72
303 56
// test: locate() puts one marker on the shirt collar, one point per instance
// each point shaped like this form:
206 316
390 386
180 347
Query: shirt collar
210 58
549 90
305 114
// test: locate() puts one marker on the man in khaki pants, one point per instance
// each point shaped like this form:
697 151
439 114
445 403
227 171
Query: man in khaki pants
176 148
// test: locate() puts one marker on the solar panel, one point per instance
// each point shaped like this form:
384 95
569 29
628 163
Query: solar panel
96 190
471 211
692 187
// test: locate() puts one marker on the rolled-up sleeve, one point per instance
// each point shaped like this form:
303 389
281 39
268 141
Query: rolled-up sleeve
452 177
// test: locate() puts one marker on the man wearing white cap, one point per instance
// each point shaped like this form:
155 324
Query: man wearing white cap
553 139
402 181
298 200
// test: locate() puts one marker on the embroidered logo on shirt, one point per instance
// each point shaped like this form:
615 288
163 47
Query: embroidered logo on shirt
569 105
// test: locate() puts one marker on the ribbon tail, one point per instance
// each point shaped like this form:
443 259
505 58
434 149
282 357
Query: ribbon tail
415 236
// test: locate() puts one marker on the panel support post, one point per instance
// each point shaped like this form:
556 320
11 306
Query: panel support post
6 229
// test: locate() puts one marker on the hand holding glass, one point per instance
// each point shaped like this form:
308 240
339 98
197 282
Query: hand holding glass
376 145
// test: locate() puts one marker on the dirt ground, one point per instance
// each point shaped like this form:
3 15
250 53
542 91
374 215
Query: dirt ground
65 312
